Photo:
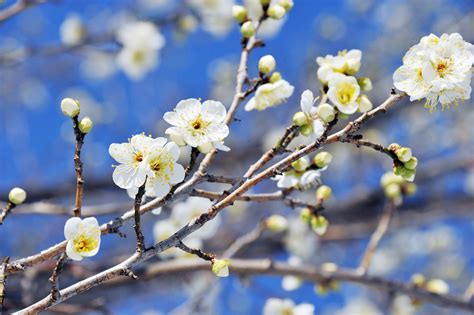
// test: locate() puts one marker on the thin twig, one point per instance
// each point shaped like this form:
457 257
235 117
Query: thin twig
244 240
469 292
3 282
54 279
6 211
137 226
78 166
376 237
16 8
194 251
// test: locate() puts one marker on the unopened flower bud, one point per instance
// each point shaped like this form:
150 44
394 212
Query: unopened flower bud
70 107
276 76
323 193
319 224
277 223
399 170
266 64
409 175
17 196
306 215
364 103
437 286
390 178
301 164
404 154
306 130
393 191
410 189
365 83
206 147
329 267
394 147
418 279
300 119
276 11
187 23
287 4
322 159
247 29
220 267
239 13
412 163
85 125
265 2
326 112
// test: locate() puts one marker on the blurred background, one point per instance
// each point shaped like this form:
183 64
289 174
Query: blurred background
431 233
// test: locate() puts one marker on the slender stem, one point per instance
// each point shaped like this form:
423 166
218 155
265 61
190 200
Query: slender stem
54 279
137 226
6 211
195 251
16 8
244 240
376 237
78 166
3 282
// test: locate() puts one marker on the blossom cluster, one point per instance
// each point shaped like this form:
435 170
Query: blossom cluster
438 69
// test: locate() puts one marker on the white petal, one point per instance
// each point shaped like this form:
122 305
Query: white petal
71 252
161 189
71 227
178 174
213 111
173 118
220 146
189 108
304 309
121 152
318 128
173 150
307 100
251 104
287 181
123 176
157 211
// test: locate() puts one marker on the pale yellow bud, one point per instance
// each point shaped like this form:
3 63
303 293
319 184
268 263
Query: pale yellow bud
85 125
239 13
220 267
326 112
301 164
323 193
276 11
411 163
306 130
276 76
17 196
365 83
393 191
319 224
266 64
287 4
70 107
306 215
364 103
437 286
322 159
404 154
247 29
277 223
300 119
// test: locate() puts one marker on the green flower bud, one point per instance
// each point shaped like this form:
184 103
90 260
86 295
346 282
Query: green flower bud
306 215
326 112
239 13
277 223
301 164
412 163
300 119
276 11
276 76
410 189
247 29
409 175
306 130
70 107
404 154
364 103
365 83
399 170
319 224
322 159
220 267
265 2
323 193
287 4
390 178
17 196
393 191
266 64
85 125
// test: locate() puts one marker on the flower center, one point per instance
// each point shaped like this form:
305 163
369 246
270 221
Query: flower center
138 157
85 243
345 92
287 311
197 125
442 67
138 56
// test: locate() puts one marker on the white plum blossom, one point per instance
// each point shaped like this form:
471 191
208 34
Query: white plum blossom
215 15
438 69
274 306
72 30
141 42
347 62
270 94
311 111
198 125
343 93
82 236
301 178
145 158
269 27
133 169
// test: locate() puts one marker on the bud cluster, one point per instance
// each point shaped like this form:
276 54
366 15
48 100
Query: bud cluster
395 187
71 108
406 164
437 286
